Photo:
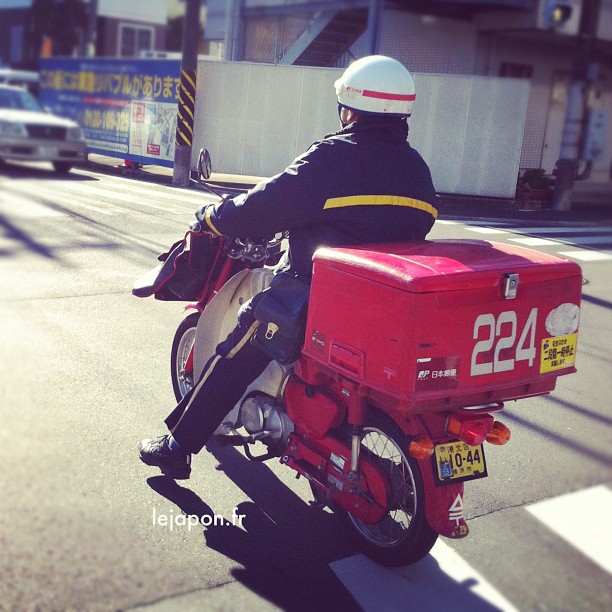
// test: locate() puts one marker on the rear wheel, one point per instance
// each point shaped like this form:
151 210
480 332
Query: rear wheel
402 536
182 350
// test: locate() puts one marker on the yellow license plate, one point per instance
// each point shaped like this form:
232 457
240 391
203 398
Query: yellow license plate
457 461
558 352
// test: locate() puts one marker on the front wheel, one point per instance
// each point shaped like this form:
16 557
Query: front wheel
181 357
402 536
62 167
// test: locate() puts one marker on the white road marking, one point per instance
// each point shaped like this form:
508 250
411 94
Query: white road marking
583 520
192 197
534 241
441 581
38 196
12 205
446 222
586 240
563 230
173 194
486 230
586 255
115 195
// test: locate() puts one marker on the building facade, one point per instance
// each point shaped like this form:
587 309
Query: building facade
31 28
536 40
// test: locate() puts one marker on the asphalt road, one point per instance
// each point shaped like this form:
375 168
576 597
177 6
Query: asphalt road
84 375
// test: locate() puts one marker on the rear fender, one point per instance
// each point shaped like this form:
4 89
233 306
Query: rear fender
443 504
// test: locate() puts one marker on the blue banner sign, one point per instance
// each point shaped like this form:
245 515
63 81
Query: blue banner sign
127 108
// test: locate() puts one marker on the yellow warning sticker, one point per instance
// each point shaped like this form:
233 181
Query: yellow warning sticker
558 352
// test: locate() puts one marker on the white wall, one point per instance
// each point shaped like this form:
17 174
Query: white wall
470 131
256 118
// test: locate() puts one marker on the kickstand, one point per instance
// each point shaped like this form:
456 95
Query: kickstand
320 501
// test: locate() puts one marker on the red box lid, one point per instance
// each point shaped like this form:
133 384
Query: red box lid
444 265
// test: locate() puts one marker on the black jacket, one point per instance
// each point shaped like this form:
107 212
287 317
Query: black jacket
363 184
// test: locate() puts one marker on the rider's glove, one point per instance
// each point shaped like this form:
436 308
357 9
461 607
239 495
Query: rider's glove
201 213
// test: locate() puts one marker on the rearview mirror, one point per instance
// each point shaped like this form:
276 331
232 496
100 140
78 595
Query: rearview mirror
204 164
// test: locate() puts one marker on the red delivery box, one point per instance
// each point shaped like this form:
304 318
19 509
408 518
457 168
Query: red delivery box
451 323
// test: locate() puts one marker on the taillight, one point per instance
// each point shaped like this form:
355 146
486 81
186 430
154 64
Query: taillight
421 447
499 435
472 429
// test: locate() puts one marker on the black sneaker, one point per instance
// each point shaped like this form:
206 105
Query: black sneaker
158 454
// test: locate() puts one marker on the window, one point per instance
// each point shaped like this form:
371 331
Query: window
134 39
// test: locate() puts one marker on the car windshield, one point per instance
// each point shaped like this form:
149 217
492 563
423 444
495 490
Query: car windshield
18 99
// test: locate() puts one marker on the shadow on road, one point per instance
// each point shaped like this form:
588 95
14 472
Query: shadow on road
286 547
23 171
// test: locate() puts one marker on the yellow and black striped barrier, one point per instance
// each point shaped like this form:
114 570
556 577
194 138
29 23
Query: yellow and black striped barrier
186 108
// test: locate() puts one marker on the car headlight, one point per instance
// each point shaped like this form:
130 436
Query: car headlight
74 133
12 128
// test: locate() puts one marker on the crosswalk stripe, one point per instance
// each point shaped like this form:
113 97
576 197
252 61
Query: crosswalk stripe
584 255
13 205
585 240
426 585
486 230
534 241
583 520
82 200
81 196
560 236
33 194
189 197
564 230
114 195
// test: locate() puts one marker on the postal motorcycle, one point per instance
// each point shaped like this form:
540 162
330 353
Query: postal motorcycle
408 354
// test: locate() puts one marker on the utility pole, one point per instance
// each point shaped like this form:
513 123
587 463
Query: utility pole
373 31
573 128
89 43
187 94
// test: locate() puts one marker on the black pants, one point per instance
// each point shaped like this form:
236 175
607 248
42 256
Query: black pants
235 365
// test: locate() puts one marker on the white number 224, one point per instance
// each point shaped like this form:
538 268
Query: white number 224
502 334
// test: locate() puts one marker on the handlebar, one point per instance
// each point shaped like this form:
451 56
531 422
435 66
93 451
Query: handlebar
255 251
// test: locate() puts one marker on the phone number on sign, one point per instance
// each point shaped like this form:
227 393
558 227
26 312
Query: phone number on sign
118 121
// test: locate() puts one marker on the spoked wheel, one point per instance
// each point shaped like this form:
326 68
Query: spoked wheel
402 536
181 359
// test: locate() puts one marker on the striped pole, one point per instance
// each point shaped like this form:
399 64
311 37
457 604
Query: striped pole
187 95
186 108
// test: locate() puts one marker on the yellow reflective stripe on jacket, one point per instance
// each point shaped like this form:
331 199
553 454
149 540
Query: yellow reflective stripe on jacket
210 223
380 200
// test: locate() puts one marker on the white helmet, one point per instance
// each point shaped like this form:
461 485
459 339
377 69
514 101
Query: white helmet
378 85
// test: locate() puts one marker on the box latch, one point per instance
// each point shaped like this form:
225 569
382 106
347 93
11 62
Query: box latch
510 284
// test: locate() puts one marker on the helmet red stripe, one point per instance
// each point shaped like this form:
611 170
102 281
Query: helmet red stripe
388 96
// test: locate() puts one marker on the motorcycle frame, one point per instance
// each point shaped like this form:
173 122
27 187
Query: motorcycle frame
443 504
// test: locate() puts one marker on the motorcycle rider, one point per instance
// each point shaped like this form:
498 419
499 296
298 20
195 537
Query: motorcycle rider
362 184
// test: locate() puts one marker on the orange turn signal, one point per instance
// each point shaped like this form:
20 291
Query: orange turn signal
500 434
421 447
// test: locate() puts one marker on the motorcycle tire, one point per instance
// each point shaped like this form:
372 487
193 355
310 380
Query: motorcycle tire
403 536
181 349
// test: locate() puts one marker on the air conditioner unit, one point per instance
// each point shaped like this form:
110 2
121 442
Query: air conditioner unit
562 16
557 16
